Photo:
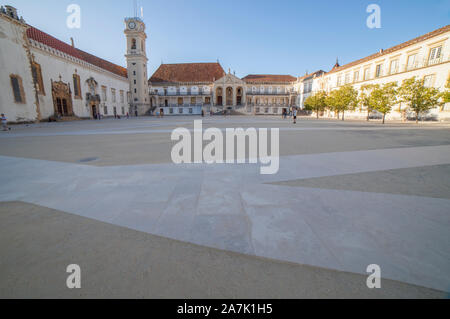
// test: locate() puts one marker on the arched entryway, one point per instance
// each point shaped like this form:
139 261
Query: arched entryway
239 94
229 95
62 99
94 110
219 97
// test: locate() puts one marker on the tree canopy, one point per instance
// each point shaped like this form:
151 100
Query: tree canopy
316 102
418 97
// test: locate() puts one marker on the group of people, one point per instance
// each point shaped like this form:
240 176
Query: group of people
292 113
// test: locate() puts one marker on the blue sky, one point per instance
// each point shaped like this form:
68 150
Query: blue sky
248 36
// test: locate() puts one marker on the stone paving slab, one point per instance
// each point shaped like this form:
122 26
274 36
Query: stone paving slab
344 230
117 262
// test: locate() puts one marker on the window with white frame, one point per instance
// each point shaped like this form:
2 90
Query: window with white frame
379 70
104 96
412 63
428 80
394 67
356 76
366 74
347 78
435 54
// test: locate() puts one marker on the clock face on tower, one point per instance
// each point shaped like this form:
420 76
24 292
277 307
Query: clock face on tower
132 25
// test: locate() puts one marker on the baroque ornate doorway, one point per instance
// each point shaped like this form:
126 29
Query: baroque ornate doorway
62 98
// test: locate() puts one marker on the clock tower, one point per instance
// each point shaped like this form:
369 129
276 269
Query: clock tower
137 66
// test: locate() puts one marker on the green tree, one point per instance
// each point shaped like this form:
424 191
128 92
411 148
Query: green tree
446 94
364 98
316 102
418 97
383 98
346 99
331 102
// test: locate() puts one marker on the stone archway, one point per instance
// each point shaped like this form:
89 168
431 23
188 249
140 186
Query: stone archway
219 96
229 96
62 99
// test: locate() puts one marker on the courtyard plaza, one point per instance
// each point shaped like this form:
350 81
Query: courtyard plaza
105 195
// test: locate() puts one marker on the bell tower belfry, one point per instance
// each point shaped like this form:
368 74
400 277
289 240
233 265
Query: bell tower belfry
137 65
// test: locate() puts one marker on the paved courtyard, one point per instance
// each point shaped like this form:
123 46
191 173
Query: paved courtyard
106 195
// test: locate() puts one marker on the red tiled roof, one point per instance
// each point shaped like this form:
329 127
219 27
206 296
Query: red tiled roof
268 78
111 67
393 49
311 75
44 38
188 72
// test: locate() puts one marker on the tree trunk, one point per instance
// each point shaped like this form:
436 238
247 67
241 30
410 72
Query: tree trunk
417 117
368 116
343 115
384 118
317 113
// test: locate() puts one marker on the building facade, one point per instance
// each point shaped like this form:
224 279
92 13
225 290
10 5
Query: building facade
307 85
426 57
189 88
44 78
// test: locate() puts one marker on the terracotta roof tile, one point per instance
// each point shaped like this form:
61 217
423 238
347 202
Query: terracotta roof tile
393 49
268 78
56 44
311 75
111 67
188 72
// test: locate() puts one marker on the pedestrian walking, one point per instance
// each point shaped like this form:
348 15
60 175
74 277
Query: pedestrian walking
4 123
294 114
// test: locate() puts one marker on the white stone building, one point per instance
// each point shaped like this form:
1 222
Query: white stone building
43 77
307 85
189 88
426 57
